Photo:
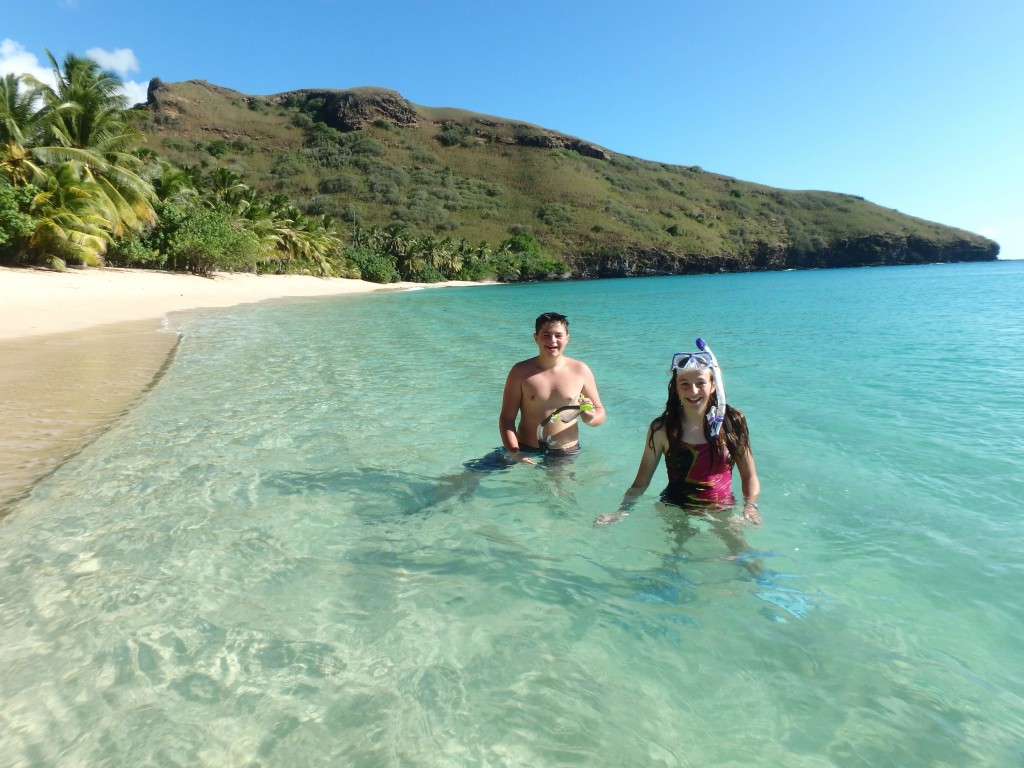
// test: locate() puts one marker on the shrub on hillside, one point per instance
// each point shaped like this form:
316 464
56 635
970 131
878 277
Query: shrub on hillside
373 266
554 215
176 144
352 215
201 240
288 165
339 184
427 274
218 147
134 251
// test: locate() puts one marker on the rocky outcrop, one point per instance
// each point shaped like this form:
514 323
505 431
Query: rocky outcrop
550 140
889 249
526 135
868 251
353 109
632 262
154 85
166 102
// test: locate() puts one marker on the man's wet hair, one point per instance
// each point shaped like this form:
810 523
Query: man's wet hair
550 317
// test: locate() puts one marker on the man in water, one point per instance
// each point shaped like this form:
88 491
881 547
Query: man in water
537 387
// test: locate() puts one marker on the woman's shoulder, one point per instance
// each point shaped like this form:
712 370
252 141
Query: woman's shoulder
657 433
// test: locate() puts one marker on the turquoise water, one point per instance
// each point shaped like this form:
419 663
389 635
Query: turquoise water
269 563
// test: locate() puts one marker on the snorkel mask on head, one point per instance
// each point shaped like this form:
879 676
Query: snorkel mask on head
700 361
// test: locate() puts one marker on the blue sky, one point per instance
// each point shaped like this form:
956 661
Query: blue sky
913 104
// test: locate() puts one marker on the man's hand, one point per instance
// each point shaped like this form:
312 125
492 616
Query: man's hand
516 457
586 408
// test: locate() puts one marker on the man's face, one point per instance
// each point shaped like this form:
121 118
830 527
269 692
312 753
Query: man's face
551 339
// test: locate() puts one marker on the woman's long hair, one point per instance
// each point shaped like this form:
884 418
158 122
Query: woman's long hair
733 438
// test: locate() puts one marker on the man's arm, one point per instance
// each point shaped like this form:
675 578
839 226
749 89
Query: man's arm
511 400
589 394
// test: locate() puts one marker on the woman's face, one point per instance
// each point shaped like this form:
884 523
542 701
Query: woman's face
695 389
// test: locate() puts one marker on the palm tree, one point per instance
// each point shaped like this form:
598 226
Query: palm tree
359 237
173 184
20 128
228 186
88 123
72 222
451 256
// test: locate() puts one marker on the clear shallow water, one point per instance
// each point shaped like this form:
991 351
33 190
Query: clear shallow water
268 561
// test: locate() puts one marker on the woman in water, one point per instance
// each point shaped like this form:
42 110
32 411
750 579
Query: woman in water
701 439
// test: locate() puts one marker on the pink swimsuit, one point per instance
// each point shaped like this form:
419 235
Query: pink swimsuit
693 480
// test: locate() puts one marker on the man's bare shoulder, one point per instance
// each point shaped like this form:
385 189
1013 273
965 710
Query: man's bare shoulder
524 368
576 365
572 367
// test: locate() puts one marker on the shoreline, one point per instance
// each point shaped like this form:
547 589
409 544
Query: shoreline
79 349
37 302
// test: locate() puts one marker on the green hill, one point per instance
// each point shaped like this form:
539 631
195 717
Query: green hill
369 157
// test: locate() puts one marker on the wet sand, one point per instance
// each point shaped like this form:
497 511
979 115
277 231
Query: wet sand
61 391
78 349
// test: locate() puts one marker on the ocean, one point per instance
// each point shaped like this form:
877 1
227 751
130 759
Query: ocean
277 558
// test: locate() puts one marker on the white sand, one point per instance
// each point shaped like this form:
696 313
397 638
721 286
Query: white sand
35 302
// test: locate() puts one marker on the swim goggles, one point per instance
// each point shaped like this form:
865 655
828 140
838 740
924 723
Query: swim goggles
683 360
703 360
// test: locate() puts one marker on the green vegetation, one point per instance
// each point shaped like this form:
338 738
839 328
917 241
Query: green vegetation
77 185
371 159
364 183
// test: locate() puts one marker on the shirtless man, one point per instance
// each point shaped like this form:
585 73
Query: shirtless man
536 387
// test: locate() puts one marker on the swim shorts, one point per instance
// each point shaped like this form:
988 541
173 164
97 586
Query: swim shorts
500 459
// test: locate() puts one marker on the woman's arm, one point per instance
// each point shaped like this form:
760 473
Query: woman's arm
751 485
654 447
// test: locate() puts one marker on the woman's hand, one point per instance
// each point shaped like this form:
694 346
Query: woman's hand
608 518
750 512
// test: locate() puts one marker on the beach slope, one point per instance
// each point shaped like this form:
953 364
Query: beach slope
79 348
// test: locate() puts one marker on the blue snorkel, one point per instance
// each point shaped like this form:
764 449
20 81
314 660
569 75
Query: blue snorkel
716 413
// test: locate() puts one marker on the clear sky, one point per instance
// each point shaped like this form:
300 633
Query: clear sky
916 105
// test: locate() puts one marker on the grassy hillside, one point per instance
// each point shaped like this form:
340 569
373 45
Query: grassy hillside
369 157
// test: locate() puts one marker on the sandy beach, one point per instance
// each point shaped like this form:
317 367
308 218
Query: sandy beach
79 348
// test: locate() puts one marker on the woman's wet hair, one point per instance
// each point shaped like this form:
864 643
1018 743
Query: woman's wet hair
732 440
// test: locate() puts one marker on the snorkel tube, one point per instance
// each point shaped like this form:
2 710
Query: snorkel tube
716 413
560 414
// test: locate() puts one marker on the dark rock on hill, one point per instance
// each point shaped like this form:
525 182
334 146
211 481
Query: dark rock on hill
353 109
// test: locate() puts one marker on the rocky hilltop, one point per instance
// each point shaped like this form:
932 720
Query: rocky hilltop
358 108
